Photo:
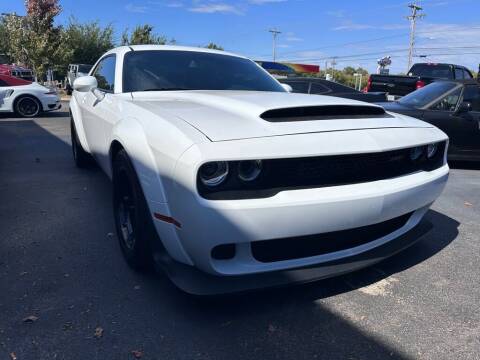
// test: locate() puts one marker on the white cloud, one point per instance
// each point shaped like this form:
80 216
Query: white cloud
214 7
291 37
261 2
135 8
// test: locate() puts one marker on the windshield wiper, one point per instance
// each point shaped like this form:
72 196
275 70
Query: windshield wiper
166 89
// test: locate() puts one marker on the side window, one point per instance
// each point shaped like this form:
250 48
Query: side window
472 95
318 89
467 75
449 102
458 73
299 86
105 74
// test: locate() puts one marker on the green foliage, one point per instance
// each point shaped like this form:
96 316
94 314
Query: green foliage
85 43
214 46
143 35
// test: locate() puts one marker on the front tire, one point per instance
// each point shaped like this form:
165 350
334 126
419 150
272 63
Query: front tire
134 226
27 107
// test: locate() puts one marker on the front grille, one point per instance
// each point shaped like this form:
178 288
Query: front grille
322 171
314 245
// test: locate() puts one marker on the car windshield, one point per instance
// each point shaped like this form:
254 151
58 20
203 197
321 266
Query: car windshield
85 69
432 70
164 70
426 95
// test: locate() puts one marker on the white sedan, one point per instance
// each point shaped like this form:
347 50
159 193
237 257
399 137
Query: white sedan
26 99
229 182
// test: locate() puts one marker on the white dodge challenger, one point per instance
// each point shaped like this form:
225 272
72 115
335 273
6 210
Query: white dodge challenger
229 182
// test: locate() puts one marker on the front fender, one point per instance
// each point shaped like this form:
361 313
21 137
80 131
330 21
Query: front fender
78 121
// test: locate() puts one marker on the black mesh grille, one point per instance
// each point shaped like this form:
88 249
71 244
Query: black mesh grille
322 171
314 245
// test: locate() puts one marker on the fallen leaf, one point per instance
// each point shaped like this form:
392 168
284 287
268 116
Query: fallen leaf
110 235
13 356
271 328
137 287
30 319
23 273
468 204
137 354
98 332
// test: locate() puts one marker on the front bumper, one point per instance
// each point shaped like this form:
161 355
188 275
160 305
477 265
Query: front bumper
206 224
196 282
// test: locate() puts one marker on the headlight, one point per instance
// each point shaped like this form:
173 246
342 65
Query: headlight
416 153
431 150
213 173
249 170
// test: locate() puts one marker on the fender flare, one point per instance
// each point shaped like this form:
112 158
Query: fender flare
76 116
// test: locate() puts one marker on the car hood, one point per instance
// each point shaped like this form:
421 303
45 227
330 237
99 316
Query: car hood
232 115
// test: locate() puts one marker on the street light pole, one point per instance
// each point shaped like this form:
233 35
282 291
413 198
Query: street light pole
275 33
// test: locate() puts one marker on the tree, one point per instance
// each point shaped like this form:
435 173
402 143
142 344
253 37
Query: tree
142 35
33 39
85 43
214 46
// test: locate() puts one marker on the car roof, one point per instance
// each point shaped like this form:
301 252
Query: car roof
128 48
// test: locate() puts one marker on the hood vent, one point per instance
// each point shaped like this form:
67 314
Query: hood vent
327 112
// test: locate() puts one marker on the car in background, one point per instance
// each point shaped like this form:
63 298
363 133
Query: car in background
228 182
419 75
26 99
17 71
454 107
75 71
317 86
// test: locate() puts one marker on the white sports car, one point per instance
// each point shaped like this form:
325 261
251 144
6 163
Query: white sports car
26 99
229 182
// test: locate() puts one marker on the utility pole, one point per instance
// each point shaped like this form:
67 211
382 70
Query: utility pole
275 33
413 24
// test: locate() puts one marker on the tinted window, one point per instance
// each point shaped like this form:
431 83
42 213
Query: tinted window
319 89
84 68
105 74
190 70
448 102
472 95
299 86
467 75
426 95
458 73
432 70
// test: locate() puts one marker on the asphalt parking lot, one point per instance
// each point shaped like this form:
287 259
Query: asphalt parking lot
66 292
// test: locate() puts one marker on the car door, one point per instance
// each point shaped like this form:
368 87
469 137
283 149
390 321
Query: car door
459 127
471 120
97 109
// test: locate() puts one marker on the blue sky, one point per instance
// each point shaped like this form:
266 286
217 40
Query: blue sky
313 31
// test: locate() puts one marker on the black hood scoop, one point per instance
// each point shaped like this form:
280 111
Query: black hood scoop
326 112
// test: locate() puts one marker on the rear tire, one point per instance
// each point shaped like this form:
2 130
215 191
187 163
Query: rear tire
27 107
134 225
81 158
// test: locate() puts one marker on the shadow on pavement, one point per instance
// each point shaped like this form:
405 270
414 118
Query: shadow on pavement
57 230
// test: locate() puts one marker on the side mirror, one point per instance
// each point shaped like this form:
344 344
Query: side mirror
85 84
464 108
287 88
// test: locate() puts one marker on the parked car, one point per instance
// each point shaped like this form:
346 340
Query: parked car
17 71
26 99
454 107
75 71
305 85
228 182
419 76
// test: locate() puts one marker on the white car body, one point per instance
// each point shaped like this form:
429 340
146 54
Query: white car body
168 135
48 99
